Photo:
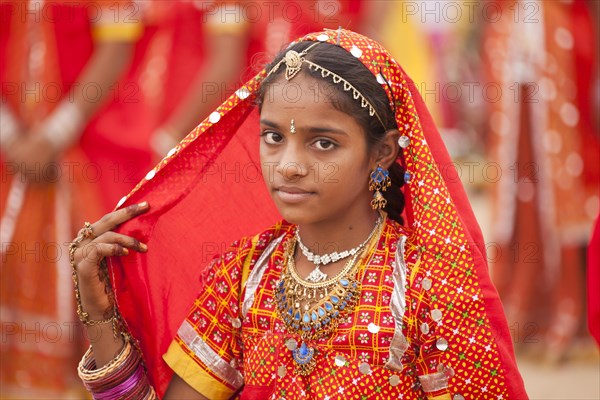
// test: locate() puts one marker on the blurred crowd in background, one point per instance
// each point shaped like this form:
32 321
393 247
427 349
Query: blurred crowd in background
95 93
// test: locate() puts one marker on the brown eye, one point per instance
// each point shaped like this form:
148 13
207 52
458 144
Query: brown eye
324 144
272 137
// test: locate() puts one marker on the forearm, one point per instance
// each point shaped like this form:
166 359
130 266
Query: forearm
179 389
104 68
67 121
219 73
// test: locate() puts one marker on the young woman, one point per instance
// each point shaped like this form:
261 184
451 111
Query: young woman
374 284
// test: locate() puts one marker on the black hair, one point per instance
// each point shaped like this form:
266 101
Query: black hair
339 61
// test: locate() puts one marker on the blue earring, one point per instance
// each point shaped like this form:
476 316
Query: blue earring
379 182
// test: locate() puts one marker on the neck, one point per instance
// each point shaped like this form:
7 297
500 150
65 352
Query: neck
341 232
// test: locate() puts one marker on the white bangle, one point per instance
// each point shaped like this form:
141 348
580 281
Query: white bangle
63 126
9 126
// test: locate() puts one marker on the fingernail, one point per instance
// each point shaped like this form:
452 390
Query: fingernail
143 204
125 251
143 246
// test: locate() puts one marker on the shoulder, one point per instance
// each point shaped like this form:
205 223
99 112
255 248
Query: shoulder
400 240
394 233
396 228
259 242
249 248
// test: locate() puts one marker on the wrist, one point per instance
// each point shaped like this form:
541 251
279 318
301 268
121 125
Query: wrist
9 127
63 126
95 301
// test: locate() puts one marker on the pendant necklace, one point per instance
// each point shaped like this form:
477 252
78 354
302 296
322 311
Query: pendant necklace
313 309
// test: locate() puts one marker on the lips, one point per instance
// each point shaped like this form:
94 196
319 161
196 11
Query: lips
292 190
289 194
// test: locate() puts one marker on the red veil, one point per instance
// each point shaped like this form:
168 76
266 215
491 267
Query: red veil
208 192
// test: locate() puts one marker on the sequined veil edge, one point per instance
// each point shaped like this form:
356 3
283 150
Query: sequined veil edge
438 213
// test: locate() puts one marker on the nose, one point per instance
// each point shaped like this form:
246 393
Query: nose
291 165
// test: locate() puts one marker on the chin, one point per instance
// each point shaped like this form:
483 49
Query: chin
296 215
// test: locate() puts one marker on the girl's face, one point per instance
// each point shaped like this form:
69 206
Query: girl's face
321 171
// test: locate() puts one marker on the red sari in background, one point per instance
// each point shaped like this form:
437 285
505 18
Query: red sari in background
44 51
281 22
175 35
544 142
594 284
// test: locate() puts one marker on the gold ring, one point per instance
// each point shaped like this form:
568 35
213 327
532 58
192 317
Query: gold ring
87 231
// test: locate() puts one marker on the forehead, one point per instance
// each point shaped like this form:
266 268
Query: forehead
309 101
302 89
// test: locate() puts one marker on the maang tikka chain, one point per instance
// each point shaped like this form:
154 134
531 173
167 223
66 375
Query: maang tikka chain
293 64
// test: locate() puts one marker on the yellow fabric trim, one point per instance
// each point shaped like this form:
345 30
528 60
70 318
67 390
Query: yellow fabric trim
445 396
226 29
184 366
129 32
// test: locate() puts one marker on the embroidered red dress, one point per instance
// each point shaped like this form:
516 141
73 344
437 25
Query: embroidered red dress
389 346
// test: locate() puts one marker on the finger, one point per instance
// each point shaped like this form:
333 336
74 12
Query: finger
124 240
110 237
94 252
111 220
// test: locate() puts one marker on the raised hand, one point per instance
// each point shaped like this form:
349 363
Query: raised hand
94 244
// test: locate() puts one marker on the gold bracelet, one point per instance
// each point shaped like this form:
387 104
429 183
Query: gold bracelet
84 317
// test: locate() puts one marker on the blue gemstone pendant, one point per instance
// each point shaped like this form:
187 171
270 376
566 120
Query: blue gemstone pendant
304 357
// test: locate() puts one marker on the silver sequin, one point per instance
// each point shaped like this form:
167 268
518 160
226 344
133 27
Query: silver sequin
404 141
281 371
436 314
340 361
236 323
364 368
373 328
458 396
441 344
394 380
426 284
291 344
425 328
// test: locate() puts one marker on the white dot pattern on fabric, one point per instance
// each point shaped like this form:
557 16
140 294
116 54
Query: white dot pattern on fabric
120 203
214 117
356 52
242 93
